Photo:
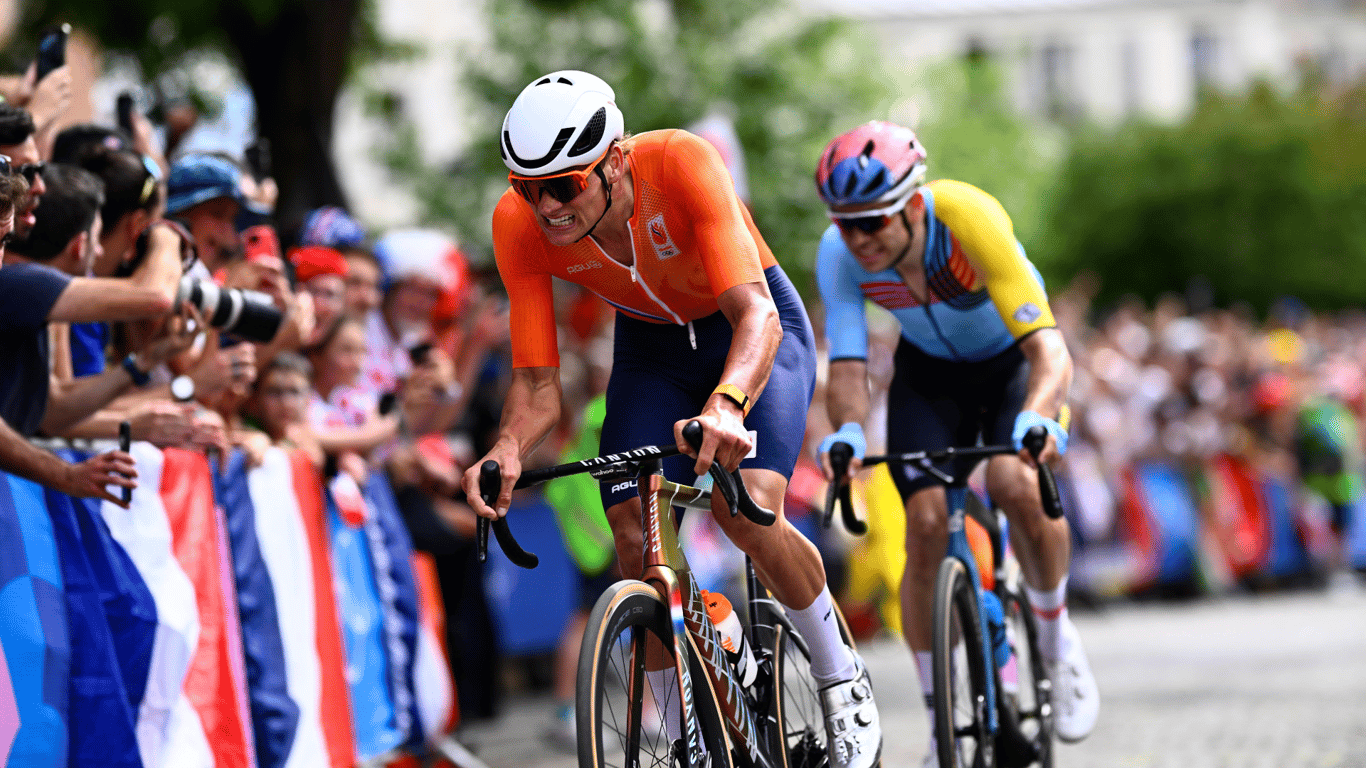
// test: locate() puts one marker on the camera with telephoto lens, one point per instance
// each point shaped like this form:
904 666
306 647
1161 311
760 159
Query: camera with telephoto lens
248 315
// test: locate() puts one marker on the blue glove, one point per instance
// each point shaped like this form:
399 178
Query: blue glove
851 433
1026 420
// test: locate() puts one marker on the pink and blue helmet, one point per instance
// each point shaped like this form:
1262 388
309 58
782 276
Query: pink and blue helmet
877 162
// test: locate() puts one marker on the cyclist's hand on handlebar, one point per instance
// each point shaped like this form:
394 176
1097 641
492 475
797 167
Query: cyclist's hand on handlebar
511 464
724 438
1053 449
851 434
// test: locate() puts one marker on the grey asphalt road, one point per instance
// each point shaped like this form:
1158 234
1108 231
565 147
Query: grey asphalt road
1275 680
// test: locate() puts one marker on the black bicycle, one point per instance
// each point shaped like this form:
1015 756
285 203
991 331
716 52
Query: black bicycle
654 622
982 718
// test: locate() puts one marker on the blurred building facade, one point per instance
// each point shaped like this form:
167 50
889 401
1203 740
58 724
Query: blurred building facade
1107 60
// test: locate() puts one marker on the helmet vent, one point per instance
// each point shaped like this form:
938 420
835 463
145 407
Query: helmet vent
543 81
876 182
849 185
591 135
868 149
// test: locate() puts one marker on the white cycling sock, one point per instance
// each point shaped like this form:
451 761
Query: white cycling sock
831 660
1050 611
924 664
664 688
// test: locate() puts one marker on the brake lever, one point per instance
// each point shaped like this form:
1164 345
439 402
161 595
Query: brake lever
490 484
1035 440
731 485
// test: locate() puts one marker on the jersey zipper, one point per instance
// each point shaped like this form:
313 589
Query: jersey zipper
644 286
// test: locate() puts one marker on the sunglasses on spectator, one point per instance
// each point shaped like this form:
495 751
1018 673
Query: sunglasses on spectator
563 187
6 167
31 171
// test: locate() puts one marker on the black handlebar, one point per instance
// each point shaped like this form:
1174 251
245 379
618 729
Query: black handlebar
840 455
730 484
1034 441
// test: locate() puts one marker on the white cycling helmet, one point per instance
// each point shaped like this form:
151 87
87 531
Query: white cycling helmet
560 121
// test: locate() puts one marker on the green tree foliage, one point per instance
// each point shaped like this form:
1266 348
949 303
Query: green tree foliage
294 54
1263 195
972 133
790 82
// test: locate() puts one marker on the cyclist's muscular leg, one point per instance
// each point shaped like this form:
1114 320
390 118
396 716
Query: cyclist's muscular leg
927 537
1042 545
789 564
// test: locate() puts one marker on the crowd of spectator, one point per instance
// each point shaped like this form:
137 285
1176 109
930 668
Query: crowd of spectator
156 291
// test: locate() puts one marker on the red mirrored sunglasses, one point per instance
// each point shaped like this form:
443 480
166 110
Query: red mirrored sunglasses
563 187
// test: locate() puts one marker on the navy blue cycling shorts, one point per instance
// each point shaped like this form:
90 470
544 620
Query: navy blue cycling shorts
658 377
935 403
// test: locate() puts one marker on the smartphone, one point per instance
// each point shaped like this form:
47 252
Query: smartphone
257 155
123 108
52 50
261 244
126 442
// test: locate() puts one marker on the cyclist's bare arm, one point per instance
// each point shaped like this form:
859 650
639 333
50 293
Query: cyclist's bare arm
846 400
531 410
756 333
1050 378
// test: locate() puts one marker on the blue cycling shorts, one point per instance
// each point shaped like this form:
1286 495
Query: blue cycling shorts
935 403
658 377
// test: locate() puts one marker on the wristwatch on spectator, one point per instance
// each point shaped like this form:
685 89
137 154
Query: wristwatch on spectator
139 376
182 388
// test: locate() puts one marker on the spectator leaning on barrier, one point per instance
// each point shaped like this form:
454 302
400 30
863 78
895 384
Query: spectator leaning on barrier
35 295
90 478
66 237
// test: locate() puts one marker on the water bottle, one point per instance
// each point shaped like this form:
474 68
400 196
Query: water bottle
996 628
732 636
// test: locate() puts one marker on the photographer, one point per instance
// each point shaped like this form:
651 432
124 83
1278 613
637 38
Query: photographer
67 237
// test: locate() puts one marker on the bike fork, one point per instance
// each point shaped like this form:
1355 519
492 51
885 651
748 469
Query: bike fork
959 548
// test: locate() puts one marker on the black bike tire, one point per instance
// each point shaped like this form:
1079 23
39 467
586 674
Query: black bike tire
805 685
954 597
1038 674
625 605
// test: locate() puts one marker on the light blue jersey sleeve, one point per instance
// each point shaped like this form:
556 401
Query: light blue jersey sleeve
846 325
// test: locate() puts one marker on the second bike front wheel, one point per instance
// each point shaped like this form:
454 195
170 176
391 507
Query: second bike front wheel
1027 694
961 733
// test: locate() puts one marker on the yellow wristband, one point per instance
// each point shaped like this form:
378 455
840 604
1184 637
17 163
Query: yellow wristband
735 395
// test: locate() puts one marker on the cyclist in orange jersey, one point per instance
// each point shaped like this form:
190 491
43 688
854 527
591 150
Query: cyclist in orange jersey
708 327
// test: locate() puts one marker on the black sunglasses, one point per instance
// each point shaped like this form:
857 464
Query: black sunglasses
5 166
30 171
868 225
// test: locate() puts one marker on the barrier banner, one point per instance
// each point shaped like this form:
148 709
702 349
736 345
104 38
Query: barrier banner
33 631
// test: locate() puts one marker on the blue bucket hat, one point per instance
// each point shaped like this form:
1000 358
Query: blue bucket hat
199 178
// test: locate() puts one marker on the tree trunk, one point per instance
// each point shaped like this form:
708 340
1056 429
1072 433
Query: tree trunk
295 66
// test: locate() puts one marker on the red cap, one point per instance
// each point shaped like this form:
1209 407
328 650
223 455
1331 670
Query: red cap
311 261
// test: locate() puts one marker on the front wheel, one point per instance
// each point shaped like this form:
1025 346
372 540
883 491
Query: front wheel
960 675
619 712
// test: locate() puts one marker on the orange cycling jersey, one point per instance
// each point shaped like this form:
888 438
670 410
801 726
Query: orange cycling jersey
691 238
